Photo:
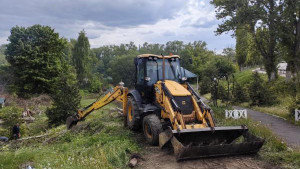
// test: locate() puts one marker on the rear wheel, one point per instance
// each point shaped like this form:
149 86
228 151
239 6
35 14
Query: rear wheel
152 127
133 122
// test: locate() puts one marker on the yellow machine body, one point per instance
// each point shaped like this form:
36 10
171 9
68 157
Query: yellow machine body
175 116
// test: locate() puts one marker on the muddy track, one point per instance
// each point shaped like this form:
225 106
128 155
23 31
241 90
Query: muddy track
155 158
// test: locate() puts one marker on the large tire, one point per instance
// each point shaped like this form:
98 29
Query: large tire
133 122
152 127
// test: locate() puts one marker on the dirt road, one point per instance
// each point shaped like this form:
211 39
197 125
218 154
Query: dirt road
155 158
288 132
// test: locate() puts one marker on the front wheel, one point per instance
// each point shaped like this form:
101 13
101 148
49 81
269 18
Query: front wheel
152 127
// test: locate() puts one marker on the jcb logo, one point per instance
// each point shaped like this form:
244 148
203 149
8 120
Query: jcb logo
183 102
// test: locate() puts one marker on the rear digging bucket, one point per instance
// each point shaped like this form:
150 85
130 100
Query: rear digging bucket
211 142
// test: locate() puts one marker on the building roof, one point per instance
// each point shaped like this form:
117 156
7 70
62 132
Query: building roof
187 73
159 56
282 66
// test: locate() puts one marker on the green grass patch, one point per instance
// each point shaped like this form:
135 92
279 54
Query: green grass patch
100 141
245 76
274 150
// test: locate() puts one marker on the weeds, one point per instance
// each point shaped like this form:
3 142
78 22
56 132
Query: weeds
97 142
274 150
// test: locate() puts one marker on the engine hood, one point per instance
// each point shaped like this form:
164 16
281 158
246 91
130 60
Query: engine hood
176 89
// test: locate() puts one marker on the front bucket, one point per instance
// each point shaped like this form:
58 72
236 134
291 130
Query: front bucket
211 142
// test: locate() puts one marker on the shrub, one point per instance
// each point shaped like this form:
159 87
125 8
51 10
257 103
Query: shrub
205 85
239 94
259 92
10 116
294 105
95 84
222 93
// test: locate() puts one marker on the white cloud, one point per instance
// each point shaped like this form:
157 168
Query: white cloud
195 21
110 22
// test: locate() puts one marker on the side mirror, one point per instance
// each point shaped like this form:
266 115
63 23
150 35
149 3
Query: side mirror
191 60
135 61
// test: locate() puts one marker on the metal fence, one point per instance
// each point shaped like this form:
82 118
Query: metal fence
236 114
297 115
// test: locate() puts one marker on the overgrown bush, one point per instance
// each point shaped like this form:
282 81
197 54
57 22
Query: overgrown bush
95 84
259 93
10 115
239 94
205 85
294 105
65 96
222 93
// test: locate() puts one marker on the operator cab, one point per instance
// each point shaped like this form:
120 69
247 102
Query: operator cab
149 70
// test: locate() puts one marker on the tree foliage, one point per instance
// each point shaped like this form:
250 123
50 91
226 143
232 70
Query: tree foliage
122 68
241 45
259 15
253 57
259 93
34 54
3 61
230 54
289 34
65 95
10 116
81 52
239 94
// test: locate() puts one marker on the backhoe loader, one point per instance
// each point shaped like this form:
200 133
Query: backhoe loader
170 112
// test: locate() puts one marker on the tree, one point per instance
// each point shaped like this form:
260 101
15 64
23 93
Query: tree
122 68
3 61
230 54
174 47
198 52
259 93
253 55
259 15
151 48
65 95
241 46
34 54
81 54
289 35
239 94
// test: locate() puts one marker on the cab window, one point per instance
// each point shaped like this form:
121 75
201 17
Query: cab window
140 72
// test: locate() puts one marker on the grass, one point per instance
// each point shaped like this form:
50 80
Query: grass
101 141
283 99
274 150
98 142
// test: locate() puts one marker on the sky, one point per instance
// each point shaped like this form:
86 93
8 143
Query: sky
108 22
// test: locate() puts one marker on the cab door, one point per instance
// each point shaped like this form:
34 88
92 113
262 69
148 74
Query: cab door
140 77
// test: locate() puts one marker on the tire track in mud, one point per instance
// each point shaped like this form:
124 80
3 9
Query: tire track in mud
155 158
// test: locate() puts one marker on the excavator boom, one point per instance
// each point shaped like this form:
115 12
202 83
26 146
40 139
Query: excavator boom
118 93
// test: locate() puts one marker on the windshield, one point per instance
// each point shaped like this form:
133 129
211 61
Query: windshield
172 70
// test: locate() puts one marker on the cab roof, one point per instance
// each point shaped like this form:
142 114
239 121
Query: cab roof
158 56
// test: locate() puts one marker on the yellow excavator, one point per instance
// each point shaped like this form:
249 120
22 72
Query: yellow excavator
170 112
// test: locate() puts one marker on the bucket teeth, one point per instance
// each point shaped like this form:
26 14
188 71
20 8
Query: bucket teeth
224 141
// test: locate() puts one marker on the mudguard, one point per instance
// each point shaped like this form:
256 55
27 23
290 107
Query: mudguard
137 97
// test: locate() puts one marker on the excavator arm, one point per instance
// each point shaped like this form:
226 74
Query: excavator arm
118 93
